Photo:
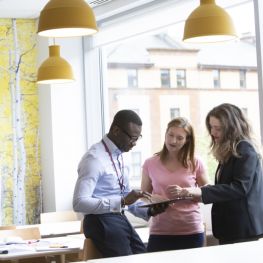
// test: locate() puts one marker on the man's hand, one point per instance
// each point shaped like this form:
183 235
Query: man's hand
157 209
134 195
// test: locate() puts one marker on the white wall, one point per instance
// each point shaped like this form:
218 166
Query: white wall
62 128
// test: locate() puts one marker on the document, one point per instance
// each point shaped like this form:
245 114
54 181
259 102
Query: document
61 248
16 248
12 240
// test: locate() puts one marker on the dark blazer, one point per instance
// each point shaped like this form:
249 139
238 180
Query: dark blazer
237 197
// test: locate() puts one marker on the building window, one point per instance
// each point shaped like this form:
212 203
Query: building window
132 78
181 78
242 79
216 78
136 162
165 78
174 113
157 106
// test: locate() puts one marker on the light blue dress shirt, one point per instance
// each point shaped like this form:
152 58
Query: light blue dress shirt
97 190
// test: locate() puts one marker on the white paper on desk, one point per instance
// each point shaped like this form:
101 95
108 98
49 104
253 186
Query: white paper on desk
12 240
39 249
17 248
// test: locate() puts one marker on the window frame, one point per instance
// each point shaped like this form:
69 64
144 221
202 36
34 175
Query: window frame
243 79
132 78
165 77
95 81
216 78
172 112
179 78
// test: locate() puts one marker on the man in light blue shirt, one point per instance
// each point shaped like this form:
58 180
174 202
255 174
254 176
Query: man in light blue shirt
102 190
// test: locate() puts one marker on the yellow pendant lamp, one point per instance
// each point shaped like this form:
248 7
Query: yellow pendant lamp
209 23
66 18
55 69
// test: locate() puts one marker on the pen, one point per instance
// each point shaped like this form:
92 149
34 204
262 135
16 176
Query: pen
33 241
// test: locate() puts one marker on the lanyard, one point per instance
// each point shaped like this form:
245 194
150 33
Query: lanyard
121 168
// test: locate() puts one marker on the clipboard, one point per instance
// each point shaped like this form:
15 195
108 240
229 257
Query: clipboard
168 202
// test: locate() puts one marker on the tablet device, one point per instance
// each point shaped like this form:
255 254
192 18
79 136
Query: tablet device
169 201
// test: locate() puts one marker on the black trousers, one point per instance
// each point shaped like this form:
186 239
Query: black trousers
112 234
174 242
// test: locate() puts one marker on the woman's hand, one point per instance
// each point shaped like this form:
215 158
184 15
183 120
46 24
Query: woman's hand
173 191
176 191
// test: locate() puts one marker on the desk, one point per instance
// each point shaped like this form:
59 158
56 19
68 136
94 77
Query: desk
24 251
73 227
57 229
240 252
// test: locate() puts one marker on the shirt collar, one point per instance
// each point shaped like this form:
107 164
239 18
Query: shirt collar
112 147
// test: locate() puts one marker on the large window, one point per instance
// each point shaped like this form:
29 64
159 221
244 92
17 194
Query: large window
174 113
181 78
216 78
214 74
132 78
242 77
165 78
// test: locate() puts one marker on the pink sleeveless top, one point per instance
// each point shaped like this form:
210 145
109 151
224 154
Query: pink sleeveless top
183 217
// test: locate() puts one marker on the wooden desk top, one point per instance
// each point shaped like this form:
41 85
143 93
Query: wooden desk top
57 229
235 253
42 248
73 227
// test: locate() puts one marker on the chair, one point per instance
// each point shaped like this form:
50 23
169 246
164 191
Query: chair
59 216
89 250
24 233
7 227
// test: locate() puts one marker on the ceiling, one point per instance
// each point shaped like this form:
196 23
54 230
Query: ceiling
102 8
31 8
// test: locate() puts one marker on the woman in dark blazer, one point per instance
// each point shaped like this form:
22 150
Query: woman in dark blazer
237 196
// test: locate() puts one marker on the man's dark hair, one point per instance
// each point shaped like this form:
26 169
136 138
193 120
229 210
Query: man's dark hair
123 117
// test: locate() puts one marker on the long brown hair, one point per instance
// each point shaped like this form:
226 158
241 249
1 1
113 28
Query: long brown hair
186 153
235 128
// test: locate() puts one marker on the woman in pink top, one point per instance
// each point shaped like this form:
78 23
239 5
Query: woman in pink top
180 226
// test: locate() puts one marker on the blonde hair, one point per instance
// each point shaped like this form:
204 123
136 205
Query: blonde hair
186 153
